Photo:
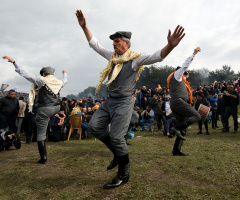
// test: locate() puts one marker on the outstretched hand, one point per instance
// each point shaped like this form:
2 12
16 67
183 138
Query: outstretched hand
9 59
176 37
64 71
196 50
81 19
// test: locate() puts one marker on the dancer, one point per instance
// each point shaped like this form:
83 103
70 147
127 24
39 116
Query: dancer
180 92
48 99
123 69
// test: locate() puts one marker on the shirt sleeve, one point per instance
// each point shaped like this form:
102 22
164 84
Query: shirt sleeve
36 80
93 43
178 74
147 59
65 79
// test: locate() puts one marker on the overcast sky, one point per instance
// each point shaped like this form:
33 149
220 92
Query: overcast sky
46 33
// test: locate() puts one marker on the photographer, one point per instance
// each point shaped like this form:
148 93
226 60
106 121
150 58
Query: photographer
231 101
7 139
147 116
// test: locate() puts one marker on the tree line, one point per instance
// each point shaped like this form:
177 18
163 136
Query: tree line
154 75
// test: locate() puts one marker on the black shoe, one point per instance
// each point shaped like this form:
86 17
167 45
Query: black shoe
200 132
116 182
178 133
235 131
207 133
225 130
170 136
113 164
213 127
216 126
122 175
42 152
179 153
129 143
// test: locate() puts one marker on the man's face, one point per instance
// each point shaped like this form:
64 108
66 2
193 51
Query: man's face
89 109
229 88
11 94
84 109
120 47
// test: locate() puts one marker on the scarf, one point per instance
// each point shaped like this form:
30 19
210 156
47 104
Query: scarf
186 83
52 83
118 62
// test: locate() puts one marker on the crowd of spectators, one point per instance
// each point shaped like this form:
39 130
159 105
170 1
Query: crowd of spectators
152 106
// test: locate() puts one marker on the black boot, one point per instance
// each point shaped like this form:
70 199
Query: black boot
177 147
123 173
177 130
114 162
42 151
126 136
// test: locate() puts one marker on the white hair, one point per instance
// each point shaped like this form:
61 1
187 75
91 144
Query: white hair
127 40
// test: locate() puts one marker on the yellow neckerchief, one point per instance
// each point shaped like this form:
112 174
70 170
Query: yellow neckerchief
118 62
52 82
186 83
75 110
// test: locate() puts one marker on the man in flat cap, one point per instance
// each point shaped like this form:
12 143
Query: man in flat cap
123 69
48 99
181 100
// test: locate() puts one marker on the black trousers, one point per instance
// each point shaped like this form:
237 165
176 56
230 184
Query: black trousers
228 112
205 124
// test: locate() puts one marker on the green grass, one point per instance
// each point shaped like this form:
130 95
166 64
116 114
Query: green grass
77 169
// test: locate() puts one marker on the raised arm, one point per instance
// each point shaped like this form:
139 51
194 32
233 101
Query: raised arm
173 40
178 74
23 72
82 22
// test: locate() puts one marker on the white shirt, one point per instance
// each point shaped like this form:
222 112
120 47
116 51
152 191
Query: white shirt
145 59
36 80
178 74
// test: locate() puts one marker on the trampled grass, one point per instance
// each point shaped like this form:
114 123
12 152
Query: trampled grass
77 169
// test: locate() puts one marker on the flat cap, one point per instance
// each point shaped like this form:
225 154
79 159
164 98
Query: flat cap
121 34
47 70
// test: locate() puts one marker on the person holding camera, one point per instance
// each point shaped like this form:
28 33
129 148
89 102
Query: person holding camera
231 101
7 139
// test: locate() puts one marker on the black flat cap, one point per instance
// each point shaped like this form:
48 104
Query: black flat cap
121 34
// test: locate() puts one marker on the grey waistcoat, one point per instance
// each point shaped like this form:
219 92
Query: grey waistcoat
178 90
125 83
47 98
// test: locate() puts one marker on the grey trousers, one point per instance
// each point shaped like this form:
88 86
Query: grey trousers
118 112
182 110
19 124
42 118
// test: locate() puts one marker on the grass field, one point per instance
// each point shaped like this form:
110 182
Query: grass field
77 169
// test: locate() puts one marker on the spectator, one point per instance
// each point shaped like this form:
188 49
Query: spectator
147 116
65 107
213 102
168 125
9 107
201 100
145 103
158 104
7 139
21 114
231 101
58 123
220 107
